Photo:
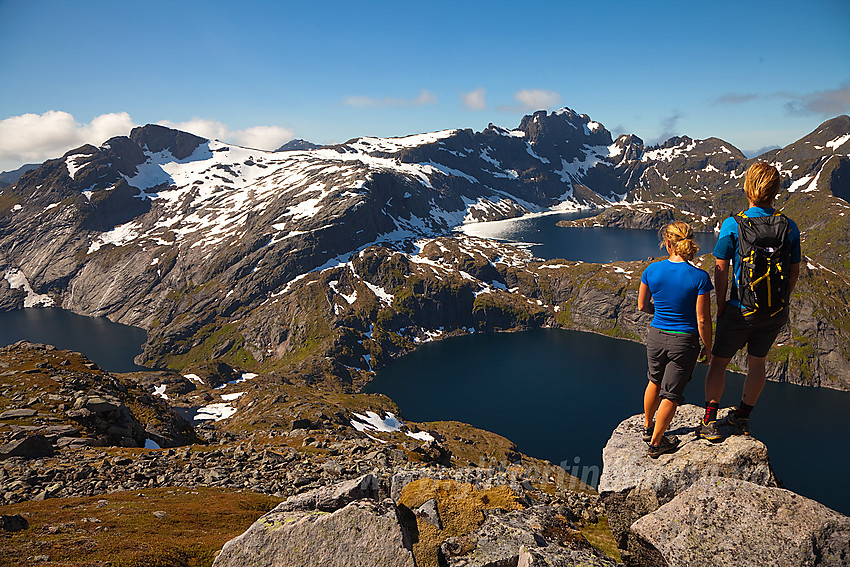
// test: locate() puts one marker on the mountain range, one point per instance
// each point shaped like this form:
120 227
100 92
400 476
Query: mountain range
322 263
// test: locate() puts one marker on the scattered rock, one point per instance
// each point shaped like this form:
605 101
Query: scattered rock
724 521
536 536
160 514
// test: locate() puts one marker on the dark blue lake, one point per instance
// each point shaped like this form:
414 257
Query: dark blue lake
592 244
111 345
559 394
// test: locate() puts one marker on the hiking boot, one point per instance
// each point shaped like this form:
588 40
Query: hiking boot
742 424
647 432
709 431
667 445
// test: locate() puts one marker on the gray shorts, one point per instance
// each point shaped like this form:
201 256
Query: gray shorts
671 358
733 332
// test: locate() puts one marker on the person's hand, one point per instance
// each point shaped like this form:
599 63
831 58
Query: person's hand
704 356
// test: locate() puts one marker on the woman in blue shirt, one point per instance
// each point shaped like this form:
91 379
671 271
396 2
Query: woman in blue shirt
681 308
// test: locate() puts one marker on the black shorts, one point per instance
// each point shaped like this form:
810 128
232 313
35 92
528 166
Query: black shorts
671 358
733 332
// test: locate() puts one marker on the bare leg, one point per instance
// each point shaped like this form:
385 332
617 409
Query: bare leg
666 411
715 379
754 383
650 403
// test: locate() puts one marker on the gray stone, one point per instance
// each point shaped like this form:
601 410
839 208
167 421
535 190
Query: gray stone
18 414
100 404
30 447
428 512
334 497
633 485
364 533
723 521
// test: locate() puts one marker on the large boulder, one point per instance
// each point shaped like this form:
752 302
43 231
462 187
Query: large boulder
724 521
633 484
339 525
364 533
28 447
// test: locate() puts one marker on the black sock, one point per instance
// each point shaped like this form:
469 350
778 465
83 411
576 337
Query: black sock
744 410
710 411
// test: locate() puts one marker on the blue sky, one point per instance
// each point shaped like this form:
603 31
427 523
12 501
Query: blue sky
756 74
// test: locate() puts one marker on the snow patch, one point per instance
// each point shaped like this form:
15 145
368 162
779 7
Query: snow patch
371 421
17 280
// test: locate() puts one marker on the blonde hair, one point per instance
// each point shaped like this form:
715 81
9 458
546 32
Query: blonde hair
761 184
680 237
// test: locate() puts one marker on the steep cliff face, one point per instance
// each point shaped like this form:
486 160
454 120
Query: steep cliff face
326 262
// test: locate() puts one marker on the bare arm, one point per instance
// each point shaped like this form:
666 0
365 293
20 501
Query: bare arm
704 325
721 283
644 303
795 273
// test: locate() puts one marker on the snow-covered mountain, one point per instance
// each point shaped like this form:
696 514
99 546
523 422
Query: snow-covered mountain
211 246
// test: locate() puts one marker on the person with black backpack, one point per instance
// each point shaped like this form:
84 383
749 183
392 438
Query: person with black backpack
764 248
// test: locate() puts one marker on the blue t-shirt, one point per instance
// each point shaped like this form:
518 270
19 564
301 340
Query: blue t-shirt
675 287
727 242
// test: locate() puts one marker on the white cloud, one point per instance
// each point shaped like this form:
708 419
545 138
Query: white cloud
475 100
210 129
257 137
537 99
425 98
264 137
33 138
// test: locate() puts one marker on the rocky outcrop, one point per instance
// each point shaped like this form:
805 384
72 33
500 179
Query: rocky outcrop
70 402
711 504
723 521
633 485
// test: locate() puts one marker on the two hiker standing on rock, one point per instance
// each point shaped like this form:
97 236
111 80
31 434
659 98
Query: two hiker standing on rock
764 248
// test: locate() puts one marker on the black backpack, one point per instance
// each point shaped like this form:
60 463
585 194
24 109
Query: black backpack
765 252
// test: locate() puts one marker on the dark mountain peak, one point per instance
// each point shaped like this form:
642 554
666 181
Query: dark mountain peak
11 177
156 138
672 143
298 145
564 124
631 147
839 124
828 131
85 149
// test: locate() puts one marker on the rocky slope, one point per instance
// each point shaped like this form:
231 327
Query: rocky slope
307 442
322 264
